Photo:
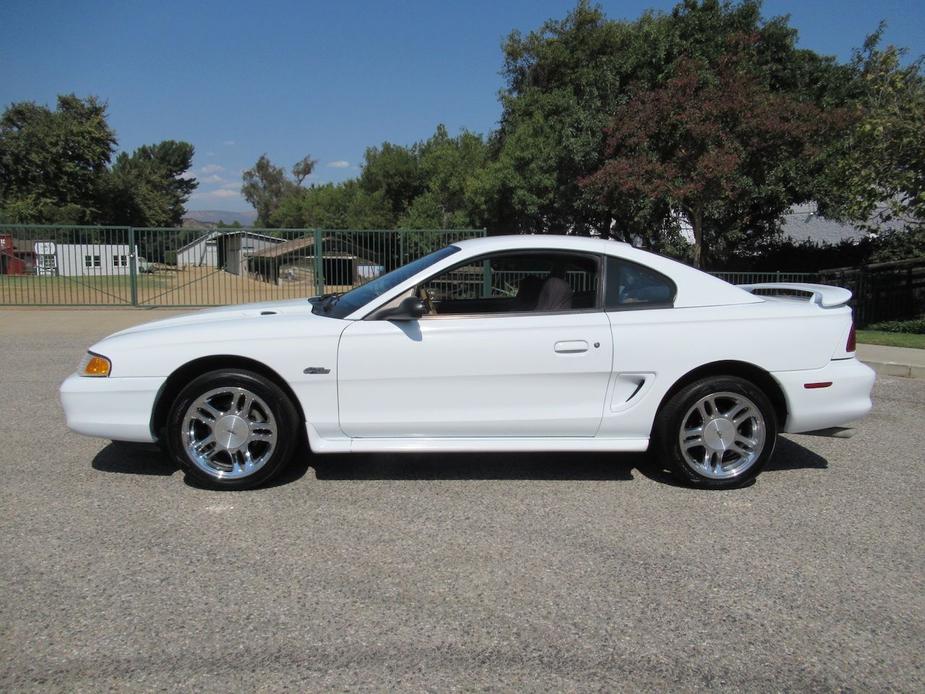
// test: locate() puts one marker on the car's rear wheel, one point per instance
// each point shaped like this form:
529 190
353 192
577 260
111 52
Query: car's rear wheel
718 432
232 429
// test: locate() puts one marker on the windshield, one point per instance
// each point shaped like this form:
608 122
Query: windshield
340 306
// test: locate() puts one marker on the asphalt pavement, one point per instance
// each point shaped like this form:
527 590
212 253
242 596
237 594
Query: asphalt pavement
450 572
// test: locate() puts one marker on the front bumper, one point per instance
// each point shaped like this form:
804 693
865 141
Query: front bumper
846 400
111 408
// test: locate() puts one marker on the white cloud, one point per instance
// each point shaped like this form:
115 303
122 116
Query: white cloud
211 168
187 175
220 194
339 164
212 179
228 143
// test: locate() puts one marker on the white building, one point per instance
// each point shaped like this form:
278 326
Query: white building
227 250
81 259
236 247
203 252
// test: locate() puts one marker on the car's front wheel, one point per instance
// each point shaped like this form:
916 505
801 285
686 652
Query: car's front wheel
232 429
718 432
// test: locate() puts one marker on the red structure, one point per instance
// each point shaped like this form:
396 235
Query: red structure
13 262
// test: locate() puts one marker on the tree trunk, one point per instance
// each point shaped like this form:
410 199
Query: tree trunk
697 222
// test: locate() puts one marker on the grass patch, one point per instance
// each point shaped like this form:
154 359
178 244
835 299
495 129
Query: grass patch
879 337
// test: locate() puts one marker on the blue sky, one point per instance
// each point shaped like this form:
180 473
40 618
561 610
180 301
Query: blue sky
327 78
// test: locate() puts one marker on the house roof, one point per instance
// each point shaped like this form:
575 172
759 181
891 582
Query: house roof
306 242
200 239
285 248
216 233
804 223
253 234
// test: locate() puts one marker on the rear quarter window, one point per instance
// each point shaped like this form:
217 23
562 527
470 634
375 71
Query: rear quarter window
633 286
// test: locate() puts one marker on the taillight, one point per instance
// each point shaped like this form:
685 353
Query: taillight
851 346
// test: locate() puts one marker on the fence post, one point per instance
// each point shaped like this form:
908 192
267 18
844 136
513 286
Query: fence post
132 266
319 263
401 248
862 299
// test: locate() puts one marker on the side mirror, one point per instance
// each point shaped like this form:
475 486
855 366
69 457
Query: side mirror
410 308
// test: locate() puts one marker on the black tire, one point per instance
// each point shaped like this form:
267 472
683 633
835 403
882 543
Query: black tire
281 409
681 408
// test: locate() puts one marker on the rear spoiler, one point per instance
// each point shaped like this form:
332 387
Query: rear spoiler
821 294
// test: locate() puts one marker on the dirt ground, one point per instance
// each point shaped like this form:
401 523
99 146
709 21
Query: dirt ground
188 287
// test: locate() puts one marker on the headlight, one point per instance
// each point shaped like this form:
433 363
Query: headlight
95 365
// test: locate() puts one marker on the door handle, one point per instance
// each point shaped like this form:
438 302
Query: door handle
571 347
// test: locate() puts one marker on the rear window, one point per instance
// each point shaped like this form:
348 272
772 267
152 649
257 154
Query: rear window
634 286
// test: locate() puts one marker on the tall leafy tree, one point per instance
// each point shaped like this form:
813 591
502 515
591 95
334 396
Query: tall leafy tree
717 144
303 169
427 185
150 186
342 206
265 185
52 161
876 176
561 83
394 171
448 167
566 80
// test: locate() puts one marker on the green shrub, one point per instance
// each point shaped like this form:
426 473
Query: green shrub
915 326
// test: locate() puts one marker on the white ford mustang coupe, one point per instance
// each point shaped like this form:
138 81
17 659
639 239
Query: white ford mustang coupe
512 343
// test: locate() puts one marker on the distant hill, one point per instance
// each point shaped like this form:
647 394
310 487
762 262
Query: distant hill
209 218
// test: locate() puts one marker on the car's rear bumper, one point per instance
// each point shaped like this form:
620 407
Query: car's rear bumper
820 407
111 408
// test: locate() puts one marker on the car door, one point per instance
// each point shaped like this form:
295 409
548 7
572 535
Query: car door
504 375
498 374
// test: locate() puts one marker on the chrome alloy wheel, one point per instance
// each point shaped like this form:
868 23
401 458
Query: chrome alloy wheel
722 435
229 433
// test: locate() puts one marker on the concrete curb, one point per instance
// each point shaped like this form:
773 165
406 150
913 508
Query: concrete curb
892 368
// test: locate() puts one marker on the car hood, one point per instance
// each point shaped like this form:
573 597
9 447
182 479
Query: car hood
271 333
225 314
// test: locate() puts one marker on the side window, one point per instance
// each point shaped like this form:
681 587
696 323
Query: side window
630 285
517 282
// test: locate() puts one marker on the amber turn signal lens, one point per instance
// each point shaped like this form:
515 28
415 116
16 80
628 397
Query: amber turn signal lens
95 365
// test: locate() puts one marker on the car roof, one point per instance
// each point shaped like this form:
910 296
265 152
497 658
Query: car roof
695 288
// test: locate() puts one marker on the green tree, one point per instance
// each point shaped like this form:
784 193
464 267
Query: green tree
265 185
877 173
303 169
52 162
718 145
425 186
566 80
450 167
334 206
149 187
394 171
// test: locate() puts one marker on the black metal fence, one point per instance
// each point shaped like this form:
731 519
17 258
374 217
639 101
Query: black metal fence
880 291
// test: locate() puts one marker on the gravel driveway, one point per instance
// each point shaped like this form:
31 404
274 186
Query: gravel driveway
443 572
